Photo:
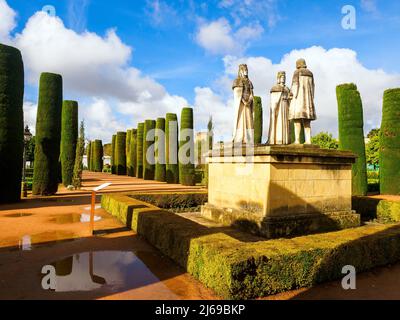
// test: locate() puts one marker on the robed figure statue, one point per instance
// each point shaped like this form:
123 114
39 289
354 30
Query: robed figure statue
243 102
302 108
279 129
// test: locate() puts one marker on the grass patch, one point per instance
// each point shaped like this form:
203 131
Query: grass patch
237 265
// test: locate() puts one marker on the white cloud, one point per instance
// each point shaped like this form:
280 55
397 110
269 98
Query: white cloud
96 71
330 68
30 109
161 13
7 21
217 37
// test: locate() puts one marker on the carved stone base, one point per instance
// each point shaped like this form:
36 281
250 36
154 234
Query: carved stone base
281 190
281 227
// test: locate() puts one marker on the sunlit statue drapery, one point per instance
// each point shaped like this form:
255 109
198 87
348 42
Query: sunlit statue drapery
279 129
302 108
243 102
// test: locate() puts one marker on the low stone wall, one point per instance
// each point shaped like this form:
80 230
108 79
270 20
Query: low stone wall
237 265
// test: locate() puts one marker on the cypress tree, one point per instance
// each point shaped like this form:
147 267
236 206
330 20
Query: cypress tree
98 154
128 153
133 152
113 154
48 135
69 139
351 133
80 150
11 123
92 155
186 149
139 150
148 150
171 148
88 155
390 143
258 120
120 153
160 172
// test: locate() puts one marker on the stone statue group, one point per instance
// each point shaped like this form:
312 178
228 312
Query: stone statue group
295 104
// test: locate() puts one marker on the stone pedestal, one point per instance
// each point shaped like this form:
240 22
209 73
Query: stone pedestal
281 191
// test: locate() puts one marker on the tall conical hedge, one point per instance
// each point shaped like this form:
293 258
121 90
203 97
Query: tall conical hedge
98 154
148 150
11 123
92 156
113 154
69 139
120 153
128 152
139 150
88 154
48 135
186 149
160 174
351 133
258 120
389 161
171 148
133 155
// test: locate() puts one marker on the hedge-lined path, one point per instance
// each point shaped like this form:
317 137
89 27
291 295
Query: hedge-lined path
41 231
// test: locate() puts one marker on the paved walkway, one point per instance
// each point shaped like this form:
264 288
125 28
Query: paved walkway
114 265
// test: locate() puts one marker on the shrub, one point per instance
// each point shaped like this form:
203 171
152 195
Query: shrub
187 176
160 150
69 139
133 151
113 171
98 156
11 123
120 153
139 151
171 148
80 150
128 153
390 143
258 120
351 133
48 135
148 153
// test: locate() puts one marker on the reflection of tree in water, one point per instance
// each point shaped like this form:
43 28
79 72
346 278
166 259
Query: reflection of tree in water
64 267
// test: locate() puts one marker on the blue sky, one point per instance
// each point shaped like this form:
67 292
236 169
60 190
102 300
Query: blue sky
183 45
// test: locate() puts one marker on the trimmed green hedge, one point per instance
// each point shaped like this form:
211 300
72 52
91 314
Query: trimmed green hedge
187 175
92 155
139 150
11 123
48 135
88 154
351 133
98 154
258 120
128 153
390 143
69 140
120 154
388 211
171 148
133 156
237 265
148 155
179 201
160 171
113 170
